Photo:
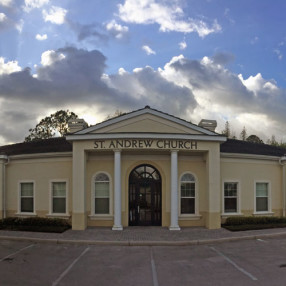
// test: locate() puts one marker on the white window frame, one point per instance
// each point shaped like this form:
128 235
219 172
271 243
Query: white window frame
238 199
51 213
92 209
269 202
19 198
195 215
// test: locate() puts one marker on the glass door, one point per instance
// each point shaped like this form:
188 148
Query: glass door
144 196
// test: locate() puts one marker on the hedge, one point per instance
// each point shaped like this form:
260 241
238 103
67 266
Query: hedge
251 220
35 224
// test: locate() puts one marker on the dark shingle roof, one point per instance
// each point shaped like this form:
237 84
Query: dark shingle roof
244 147
59 144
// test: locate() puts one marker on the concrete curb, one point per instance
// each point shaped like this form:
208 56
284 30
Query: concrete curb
144 243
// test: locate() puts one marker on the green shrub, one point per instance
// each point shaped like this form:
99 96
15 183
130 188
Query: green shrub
35 224
251 220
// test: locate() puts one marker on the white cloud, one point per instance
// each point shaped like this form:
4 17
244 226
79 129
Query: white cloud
55 15
191 89
257 84
19 26
167 14
7 23
227 16
3 17
41 37
50 57
9 67
183 45
254 40
32 4
148 50
116 29
6 3
278 53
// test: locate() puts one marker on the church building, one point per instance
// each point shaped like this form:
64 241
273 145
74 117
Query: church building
143 168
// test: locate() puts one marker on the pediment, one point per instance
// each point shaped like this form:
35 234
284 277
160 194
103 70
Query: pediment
146 120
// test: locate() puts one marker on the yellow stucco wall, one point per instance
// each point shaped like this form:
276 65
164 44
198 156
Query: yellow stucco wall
246 172
42 170
147 123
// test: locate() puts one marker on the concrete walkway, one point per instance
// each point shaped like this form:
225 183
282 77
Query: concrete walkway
133 236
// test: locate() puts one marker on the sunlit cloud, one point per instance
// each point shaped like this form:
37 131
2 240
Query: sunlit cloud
55 15
148 50
41 37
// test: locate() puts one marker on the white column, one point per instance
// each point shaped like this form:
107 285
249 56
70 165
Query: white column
79 216
117 191
213 215
174 191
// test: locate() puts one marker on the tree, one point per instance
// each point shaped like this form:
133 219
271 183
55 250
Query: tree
51 126
115 114
226 131
243 134
272 141
254 139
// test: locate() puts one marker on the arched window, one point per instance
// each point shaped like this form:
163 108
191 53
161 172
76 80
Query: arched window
188 194
101 194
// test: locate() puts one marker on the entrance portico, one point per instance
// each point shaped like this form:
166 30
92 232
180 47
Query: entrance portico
150 139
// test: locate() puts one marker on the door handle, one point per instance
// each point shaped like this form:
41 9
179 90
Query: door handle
138 209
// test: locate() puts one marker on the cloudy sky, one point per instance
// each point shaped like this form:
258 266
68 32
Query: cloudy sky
213 59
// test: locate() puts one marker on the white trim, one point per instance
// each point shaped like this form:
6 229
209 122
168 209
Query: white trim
249 156
213 138
40 155
190 217
263 213
238 196
64 216
100 217
25 214
110 214
141 112
196 214
269 202
225 215
51 213
19 212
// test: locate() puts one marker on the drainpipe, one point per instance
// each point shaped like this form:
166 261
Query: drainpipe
4 158
282 162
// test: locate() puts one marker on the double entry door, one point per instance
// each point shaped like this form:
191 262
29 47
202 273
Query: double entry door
145 199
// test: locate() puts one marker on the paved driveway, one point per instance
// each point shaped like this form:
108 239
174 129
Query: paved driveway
251 262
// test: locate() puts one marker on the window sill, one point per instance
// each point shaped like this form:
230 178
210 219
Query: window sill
223 215
190 217
25 214
263 213
64 216
100 217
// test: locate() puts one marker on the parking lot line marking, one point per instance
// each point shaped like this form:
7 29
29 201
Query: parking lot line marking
234 264
154 272
262 240
70 267
26 247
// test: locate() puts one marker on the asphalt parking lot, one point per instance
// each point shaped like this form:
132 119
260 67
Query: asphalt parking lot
248 262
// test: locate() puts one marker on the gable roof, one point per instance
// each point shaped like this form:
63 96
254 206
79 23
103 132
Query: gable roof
244 147
146 110
58 144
